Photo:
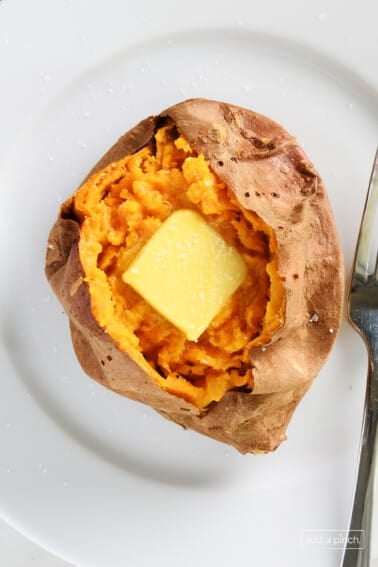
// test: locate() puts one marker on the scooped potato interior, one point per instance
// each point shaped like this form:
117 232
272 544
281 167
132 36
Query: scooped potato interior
119 209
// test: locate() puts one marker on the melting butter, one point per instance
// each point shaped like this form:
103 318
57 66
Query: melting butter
187 272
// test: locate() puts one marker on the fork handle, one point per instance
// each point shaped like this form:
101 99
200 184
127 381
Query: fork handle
360 555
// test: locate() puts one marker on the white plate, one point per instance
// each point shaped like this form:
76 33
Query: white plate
95 478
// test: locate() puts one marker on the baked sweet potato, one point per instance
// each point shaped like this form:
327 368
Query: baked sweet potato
242 379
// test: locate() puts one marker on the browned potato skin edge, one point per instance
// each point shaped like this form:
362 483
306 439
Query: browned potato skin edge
270 174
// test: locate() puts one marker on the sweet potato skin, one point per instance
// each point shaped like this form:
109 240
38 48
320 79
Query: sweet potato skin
271 175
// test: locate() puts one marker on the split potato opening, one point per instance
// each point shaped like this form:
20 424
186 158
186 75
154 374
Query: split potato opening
122 210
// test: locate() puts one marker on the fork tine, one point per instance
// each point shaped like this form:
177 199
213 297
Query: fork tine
361 263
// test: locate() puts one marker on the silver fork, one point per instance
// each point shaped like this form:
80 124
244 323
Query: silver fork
363 314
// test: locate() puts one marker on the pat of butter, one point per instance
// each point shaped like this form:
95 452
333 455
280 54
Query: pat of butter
187 272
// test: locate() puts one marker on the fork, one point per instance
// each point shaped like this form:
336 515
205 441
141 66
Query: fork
363 315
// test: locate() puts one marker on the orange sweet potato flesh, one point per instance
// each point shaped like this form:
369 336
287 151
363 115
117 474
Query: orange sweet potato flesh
119 209
242 380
